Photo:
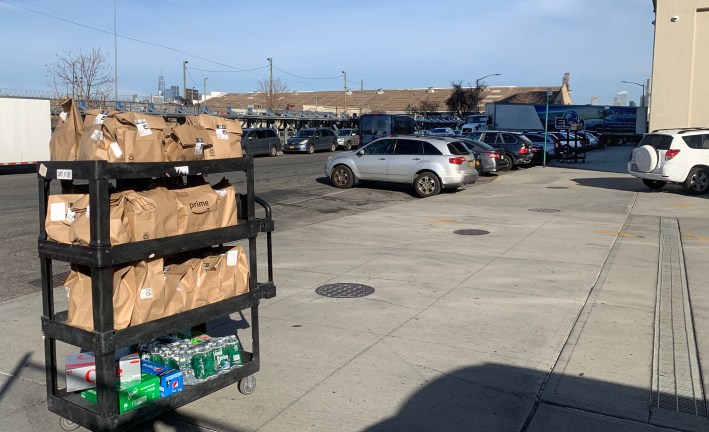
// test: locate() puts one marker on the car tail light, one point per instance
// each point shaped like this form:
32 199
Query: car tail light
457 160
671 153
524 150
493 155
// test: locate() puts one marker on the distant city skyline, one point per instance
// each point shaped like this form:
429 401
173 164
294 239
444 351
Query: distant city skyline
527 43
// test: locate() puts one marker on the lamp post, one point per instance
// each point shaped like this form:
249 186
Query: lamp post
345 104
184 77
270 80
205 91
546 129
642 103
477 88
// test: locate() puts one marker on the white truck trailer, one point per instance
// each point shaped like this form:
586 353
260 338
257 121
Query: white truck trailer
25 129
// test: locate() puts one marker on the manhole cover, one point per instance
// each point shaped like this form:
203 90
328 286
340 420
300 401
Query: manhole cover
344 290
471 232
557 187
544 210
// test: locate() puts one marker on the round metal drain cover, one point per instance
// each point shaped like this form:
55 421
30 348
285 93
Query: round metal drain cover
471 232
557 187
544 210
344 290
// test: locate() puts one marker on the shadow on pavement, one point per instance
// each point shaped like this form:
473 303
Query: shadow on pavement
495 397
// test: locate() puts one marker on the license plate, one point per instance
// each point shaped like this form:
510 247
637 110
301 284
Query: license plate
470 163
477 163
291 147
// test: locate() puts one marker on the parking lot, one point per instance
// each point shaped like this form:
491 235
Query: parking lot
543 321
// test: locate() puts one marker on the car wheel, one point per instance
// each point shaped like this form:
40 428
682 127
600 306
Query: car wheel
333 147
274 151
427 184
654 184
311 148
510 162
697 182
342 177
348 146
243 151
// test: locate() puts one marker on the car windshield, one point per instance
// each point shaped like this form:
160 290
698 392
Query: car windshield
458 148
481 145
658 141
304 133
375 125
438 130
344 132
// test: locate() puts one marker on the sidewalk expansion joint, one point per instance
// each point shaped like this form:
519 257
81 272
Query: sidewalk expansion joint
676 379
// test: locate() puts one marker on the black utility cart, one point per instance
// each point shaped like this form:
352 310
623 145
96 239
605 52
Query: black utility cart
100 257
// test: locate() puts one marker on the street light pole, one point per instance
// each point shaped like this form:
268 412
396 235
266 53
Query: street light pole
361 95
345 94
642 103
270 79
205 91
546 129
478 89
184 77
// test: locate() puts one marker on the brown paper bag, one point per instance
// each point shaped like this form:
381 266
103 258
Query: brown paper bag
150 214
180 284
226 206
150 292
64 142
237 263
79 295
196 209
96 116
60 215
187 142
225 134
98 142
140 136
80 231
216 281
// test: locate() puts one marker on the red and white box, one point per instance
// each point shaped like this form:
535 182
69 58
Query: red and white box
81 370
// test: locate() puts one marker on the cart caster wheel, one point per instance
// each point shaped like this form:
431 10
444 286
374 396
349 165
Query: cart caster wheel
68 425
247 385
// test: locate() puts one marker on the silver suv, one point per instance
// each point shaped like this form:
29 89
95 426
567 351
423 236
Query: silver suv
429 164
673 156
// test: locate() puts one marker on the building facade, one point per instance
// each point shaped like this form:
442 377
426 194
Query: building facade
680 88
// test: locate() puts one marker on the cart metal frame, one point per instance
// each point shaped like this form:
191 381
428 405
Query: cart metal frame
100 257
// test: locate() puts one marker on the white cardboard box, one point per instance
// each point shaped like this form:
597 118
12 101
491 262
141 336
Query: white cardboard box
81 370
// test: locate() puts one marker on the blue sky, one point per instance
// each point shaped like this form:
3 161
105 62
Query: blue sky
395 44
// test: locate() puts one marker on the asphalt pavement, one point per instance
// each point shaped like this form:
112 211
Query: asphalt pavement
561 298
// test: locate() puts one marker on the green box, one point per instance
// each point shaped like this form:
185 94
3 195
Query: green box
132 394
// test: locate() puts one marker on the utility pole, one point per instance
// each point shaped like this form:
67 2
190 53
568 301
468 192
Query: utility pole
345 94
205 91
270 82
361 95
115 55
184 78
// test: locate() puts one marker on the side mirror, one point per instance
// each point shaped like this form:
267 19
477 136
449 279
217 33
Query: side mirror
360 152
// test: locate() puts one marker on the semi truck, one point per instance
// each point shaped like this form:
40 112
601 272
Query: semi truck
25 129
614 123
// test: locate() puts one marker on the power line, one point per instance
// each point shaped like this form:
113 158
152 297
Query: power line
228 71
309 78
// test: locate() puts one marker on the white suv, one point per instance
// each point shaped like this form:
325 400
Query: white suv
674 156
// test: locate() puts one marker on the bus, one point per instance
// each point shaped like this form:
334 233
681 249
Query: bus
373 126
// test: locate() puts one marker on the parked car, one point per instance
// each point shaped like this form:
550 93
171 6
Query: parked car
258 141
348 138
429 164
592 140
517 147
311 139
458 133
538 142
673 156
444 131
492 160
573 139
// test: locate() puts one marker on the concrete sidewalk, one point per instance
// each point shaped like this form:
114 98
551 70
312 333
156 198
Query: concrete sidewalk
545 323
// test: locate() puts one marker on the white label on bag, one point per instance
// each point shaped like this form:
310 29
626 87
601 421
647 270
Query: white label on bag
116 149
182 170
57 212
101 117
88 211
146 293
178 287
63 115
64 174
42 170
221 132
97 135
220 192
232 257
199 147
143 127
68 291
70 215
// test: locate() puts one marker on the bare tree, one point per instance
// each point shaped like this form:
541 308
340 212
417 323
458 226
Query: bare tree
81 76
428 106
464 100
272 95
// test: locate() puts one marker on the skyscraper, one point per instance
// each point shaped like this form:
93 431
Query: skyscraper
161 85
621 98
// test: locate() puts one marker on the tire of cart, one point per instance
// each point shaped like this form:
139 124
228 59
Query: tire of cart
67 425
247 385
